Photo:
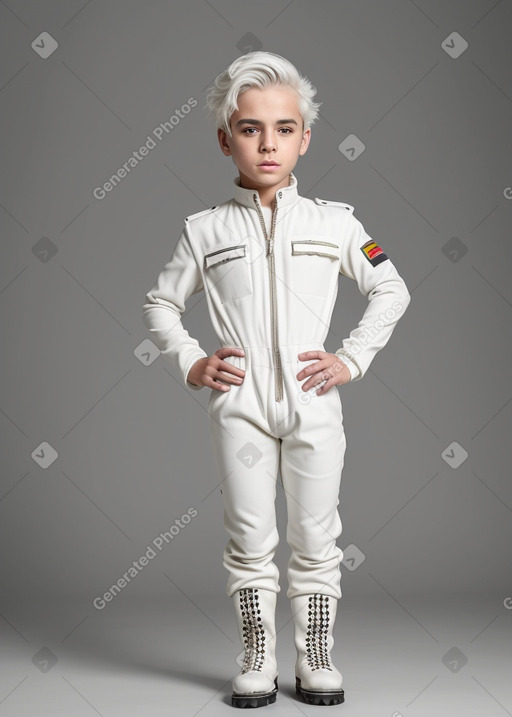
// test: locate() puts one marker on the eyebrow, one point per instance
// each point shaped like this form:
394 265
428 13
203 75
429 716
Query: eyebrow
258 122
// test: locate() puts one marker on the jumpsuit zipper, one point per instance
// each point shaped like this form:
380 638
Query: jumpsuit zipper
273 295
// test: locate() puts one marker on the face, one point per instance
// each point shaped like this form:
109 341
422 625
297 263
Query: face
267 127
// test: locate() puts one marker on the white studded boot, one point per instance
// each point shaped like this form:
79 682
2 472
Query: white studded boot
256 685
316 678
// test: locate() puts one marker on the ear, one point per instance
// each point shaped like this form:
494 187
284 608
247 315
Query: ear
306 138
223 138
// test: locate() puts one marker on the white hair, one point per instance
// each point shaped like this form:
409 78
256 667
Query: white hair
258 69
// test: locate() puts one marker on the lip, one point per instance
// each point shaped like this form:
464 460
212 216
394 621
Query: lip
269 164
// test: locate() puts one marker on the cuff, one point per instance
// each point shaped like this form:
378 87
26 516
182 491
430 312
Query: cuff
354 371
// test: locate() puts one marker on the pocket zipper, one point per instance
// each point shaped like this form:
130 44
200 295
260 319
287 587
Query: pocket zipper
229 258
316 243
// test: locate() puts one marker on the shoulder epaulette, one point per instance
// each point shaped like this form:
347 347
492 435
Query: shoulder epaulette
328 203
200 214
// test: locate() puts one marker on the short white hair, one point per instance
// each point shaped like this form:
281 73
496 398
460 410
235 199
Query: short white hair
258 69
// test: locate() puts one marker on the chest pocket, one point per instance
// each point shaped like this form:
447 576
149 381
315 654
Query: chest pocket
227 272
315 265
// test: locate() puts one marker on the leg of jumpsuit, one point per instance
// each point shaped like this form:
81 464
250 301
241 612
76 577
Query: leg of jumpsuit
247 461
312 458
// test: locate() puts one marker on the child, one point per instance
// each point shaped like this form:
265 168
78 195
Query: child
269 261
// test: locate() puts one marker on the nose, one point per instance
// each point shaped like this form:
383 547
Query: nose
268 143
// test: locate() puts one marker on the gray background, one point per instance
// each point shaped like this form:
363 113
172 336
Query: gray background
433 188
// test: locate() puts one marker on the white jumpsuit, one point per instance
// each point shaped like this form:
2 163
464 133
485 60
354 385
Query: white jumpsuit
273 295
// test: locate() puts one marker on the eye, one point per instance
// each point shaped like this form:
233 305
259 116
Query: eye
251 130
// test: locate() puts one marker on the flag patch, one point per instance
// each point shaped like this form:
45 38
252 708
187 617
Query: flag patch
373 252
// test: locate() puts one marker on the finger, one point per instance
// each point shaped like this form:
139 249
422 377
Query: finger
328 379
230 351
220 387
314 353
316 380
216 385
229 378
229 368
327 385
314 368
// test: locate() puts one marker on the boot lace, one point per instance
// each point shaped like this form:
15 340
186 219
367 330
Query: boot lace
317 651
253 631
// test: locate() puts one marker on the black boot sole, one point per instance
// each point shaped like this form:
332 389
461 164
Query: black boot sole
315 697
254 700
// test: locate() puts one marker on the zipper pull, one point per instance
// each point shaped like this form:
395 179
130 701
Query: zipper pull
270 246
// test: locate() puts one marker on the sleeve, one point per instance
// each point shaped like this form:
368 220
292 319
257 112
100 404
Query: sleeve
363 260
354 371
165 303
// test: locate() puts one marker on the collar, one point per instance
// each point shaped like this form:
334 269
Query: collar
284 196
